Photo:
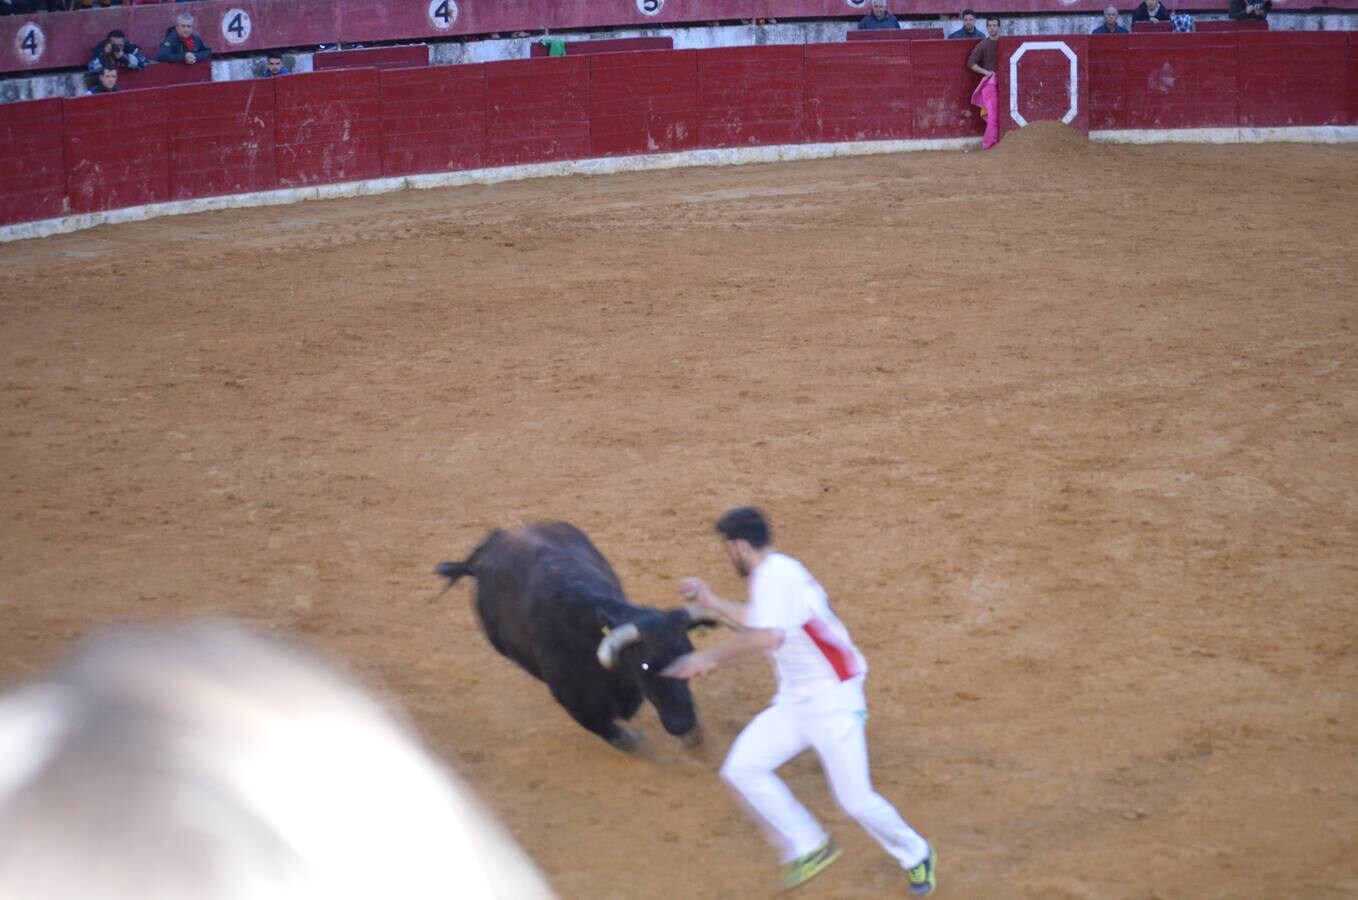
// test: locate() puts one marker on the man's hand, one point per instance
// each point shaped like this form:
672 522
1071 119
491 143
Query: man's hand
690 665
190 58
695 590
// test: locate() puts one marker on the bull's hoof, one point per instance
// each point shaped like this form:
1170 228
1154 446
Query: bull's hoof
626 740
693 737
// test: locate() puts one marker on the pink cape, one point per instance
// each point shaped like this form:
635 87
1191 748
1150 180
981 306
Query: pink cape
986 96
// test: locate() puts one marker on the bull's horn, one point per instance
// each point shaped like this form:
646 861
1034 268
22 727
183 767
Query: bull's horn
614 641
699 613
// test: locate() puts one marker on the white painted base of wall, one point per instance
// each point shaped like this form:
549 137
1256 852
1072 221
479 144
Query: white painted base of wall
731 156
1318 134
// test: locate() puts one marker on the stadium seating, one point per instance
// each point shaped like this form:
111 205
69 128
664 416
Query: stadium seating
60 40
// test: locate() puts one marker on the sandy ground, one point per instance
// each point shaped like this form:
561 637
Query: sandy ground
1069 433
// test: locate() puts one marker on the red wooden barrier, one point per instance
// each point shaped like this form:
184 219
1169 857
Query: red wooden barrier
1292 78
941 89
163 75
900 34
537 110
33 178
1231 25
377 57
221 138
1163 81
1154 26
750 95
859 92
613 45
643 103
1353 79
140 147
328 127
117 150
433 119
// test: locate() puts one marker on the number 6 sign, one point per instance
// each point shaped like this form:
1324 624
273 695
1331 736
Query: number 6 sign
650 7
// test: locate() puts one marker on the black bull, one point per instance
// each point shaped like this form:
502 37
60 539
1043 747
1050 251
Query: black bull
548 600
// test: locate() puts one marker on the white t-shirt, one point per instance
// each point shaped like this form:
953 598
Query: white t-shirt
817 652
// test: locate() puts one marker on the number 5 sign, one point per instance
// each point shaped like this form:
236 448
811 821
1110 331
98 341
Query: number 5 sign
236 26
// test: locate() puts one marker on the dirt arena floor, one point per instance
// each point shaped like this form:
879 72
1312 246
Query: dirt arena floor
1069 432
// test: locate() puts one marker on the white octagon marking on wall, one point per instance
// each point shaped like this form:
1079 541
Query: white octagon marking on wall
856 4
650 7
1074 109
442 13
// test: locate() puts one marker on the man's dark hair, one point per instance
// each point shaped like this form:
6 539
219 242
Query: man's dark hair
969 12
117 32
745 523
995 19
274 54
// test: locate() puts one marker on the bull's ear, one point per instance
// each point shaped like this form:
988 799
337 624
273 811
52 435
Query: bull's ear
606 622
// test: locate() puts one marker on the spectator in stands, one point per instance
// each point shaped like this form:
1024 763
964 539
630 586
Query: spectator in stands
1253 10
273 65
985 56
878 18
116 52
968 31
18 7
1151 10
1110 23
107 83
181 45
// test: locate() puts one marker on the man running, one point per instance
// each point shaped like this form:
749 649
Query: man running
819 704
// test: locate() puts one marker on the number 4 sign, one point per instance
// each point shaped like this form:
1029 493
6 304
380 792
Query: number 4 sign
30 42
442 13
236 26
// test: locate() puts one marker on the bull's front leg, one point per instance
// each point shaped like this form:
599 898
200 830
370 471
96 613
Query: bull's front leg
597 712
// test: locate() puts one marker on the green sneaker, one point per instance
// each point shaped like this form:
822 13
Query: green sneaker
804 868
922 876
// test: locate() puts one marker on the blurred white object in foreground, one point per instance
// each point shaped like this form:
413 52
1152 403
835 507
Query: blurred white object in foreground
206 762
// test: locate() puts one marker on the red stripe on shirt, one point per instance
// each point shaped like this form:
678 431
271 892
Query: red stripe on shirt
839 658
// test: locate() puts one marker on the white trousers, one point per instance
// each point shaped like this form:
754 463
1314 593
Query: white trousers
833 724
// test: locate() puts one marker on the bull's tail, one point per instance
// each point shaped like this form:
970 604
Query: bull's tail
454 571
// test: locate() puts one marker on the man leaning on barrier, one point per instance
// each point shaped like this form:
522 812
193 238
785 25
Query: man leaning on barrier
181 44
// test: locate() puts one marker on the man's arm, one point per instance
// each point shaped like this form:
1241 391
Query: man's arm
171 50
754 642
974 62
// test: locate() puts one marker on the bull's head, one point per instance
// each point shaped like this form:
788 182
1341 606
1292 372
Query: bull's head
642 649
